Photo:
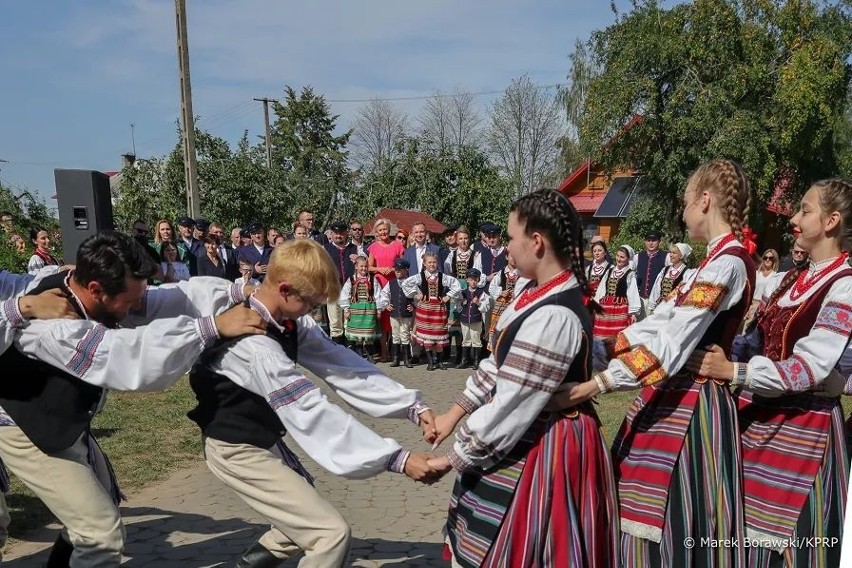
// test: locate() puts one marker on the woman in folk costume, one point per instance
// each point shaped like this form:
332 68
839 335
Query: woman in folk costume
41 255
795 460
535 485
358 301
597 268
433 291
503 288
671 276
677 455
618 297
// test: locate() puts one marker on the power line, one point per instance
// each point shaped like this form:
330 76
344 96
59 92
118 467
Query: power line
437 95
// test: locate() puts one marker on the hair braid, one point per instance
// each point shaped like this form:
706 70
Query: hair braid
725 178
551 213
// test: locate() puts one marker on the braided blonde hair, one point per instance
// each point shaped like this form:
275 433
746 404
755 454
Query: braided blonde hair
726 180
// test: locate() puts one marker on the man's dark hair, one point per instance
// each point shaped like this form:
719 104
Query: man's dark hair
109 258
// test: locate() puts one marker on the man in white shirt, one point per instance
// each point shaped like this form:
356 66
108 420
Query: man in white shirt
414 253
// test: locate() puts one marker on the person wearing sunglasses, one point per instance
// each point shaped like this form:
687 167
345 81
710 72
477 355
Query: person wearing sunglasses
356 237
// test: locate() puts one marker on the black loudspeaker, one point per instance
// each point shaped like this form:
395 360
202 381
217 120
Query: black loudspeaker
85 207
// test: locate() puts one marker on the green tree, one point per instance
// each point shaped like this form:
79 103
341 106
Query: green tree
762 82
311 158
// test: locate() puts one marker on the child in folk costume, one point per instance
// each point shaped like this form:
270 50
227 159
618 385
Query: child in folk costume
473 304
462 259
795 460
535 485
618 296
677 455
433 291
358 301
503 289
243 414
671 276
596 270
392 299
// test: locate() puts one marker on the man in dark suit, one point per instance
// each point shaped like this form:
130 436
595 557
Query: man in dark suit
649 263
188 246
414 253
257 252
449 244
342 254
306 219
226 252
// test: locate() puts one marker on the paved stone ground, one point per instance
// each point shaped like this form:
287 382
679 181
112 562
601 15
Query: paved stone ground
191 520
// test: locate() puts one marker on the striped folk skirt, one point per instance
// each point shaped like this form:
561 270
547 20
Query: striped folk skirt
430 324
823 510
613 318
362 322
549 503
705 492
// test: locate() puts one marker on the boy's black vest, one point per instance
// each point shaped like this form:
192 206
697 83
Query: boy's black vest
647 270
469 311
227 411
399 301
52 407
580 369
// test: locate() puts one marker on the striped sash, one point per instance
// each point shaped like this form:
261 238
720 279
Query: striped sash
646 450
784 444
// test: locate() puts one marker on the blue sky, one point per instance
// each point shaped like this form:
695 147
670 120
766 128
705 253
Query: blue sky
77 74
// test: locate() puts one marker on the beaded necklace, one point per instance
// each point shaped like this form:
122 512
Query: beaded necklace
715 250
803 283
532 294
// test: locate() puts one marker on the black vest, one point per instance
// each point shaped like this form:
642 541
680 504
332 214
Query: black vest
469 311
581 367
53 408
227 411
647 271
491 263
424 285
399 301
617 288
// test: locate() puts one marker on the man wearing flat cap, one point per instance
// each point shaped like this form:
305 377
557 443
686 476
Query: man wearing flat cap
494 255
449 244
187 242
257 251
342 253
649 263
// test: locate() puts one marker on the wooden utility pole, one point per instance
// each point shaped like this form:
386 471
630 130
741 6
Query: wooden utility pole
266 102
193 201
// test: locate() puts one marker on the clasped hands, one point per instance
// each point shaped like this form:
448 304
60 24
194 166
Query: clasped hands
425 466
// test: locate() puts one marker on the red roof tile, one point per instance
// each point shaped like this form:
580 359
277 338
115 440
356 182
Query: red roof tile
404 219
587 202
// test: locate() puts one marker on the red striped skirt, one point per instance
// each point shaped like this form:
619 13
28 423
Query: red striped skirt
613 319
430 324
551 504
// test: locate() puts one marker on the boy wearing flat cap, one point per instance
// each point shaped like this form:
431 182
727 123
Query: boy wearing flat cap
392 299
473 304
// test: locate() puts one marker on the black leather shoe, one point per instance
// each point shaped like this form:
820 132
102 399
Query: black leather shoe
60 554
258 557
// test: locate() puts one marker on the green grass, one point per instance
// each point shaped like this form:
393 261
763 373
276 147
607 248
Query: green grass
145 435
611 409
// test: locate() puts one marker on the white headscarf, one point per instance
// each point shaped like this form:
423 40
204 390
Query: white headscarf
629 250
685 250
